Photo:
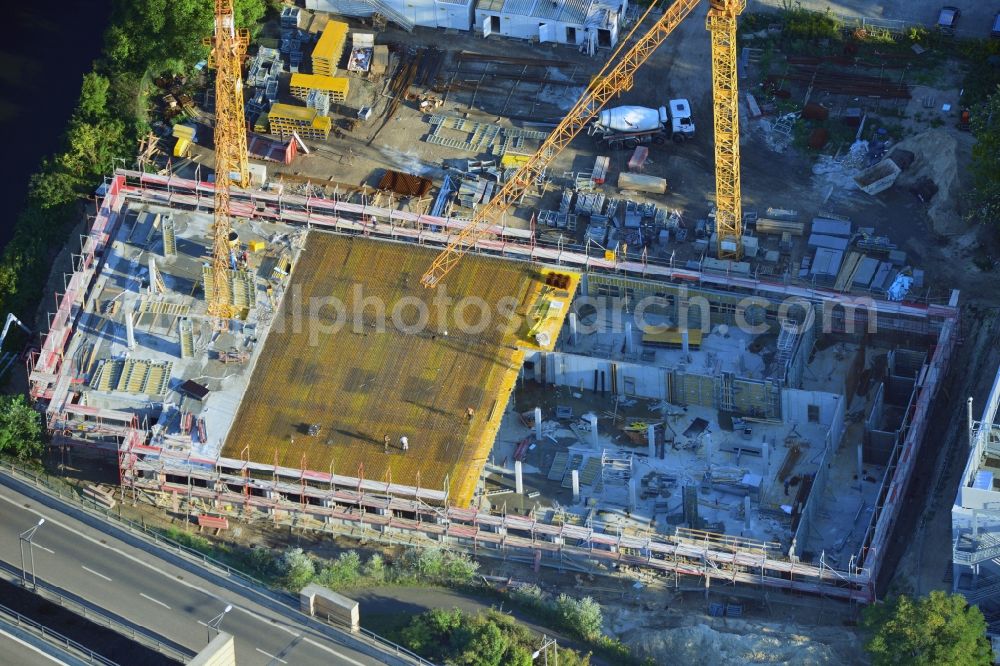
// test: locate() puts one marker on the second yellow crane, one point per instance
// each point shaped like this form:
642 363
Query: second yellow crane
617 77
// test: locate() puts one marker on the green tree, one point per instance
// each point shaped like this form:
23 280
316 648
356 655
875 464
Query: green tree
375 568
297 569
52 186
985 125
20 428
485 639
93 147
481 643
94 96
342 572
429 633
583 616
937 629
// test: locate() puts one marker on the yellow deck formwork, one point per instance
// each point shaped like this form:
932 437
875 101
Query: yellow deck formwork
336 366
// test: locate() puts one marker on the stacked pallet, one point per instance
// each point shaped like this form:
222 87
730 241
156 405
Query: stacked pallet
329 48
337 87
284 119
767 225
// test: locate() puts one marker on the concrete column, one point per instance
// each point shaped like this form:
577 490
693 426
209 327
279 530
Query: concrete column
518 478
651 441
130 330
970 422
860 468
593 430
576 485
538 422
746 513
684 341
633 494
572 329
766 455
628 337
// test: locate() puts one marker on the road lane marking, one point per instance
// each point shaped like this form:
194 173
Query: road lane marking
341 655
206 576
47 550
99 575
307 639
155 601
268 654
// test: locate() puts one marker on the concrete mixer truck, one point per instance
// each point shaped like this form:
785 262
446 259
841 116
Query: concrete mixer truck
630 126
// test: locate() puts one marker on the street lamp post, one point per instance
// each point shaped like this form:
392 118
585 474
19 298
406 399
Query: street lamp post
26 536
544 651
216 622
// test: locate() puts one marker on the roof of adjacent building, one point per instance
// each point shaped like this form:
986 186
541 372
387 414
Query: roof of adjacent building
566 11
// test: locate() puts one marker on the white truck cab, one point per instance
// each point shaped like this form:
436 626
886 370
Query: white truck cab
681 123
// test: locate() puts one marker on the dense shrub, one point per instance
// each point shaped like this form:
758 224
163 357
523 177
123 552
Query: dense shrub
485 639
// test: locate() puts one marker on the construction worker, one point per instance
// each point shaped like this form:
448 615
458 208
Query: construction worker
470 413
385 442
405 443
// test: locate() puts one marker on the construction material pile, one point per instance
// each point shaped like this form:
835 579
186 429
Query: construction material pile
934 178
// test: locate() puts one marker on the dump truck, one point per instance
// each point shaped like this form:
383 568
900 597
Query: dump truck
630 126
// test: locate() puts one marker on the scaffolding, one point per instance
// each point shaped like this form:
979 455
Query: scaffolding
388 510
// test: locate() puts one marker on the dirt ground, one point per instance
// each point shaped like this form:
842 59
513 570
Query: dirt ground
679 68
924 531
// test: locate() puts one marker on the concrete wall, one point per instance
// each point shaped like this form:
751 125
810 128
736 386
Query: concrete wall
221 651
877 444
835 409
578 372
795 407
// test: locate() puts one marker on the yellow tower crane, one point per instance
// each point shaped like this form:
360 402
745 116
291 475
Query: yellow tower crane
615 78
229 47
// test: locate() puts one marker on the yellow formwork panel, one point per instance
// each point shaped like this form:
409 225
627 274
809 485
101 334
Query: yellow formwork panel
544 310
330 44
287 118
337 86
360 380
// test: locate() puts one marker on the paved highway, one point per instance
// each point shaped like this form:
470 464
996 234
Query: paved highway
173 602
18 652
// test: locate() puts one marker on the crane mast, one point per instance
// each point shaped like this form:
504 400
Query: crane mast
617 77
721 23
229 46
